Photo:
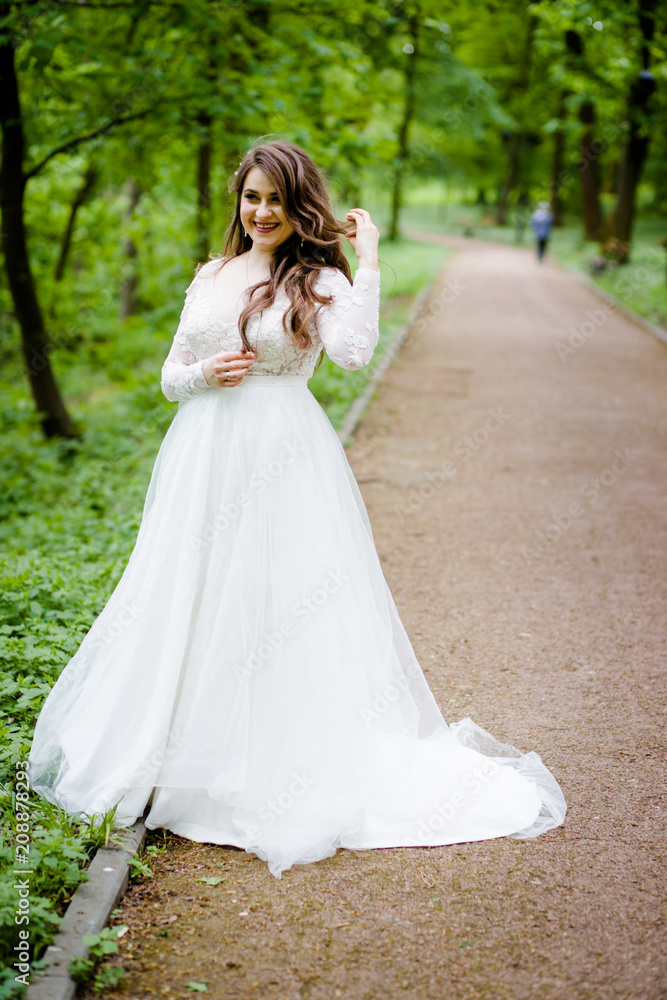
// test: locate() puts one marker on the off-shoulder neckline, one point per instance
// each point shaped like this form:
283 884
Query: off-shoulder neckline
206 271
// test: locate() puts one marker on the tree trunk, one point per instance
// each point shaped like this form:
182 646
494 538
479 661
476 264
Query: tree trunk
128 288
83 193
557 162
516 139
633 158
636 145
403 139
590 175
204 158
204 120
54 417
513 145
521 216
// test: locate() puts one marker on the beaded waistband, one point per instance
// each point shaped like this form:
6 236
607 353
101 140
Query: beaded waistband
272 380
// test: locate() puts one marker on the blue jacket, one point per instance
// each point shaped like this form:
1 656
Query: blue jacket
541 220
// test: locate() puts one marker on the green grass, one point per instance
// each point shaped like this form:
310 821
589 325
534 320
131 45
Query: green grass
69 514
641 284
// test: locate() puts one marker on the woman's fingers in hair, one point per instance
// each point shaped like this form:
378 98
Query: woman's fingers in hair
359 215
365 238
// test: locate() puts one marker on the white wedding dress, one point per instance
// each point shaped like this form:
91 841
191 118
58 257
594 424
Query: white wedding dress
249 679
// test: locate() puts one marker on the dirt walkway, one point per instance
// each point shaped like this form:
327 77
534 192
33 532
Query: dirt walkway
517 486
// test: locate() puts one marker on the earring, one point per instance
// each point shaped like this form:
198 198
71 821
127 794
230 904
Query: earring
302 241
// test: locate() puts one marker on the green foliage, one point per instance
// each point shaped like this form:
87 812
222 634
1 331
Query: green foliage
81 969
106 942
139 867
100 946
641 284
61 846
108 977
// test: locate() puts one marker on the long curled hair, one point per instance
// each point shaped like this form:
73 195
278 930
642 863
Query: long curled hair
297 261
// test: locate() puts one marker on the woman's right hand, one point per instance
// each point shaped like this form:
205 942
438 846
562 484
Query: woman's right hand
227 369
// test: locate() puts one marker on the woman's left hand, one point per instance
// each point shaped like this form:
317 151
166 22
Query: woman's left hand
365 239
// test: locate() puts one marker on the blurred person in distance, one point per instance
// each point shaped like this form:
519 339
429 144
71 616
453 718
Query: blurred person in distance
541 220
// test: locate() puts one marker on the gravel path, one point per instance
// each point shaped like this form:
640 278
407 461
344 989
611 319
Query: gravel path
517 485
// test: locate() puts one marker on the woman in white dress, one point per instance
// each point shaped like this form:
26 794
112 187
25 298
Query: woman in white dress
249 679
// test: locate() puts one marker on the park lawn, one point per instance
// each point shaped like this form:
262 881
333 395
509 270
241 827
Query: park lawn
69 514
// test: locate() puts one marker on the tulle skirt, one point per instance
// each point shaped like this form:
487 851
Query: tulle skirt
250 680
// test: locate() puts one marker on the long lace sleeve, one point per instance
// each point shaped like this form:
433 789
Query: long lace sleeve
349 327
182 375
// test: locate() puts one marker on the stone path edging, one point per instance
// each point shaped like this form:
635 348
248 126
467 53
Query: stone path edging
359 405
87 913
619 306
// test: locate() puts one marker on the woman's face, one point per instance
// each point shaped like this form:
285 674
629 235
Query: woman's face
262 215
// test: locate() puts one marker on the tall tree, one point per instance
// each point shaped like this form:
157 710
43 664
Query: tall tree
50 405
591 206
558 159
588 152
204 122
517 139
81 196
636 145
409 71
130 279
97 114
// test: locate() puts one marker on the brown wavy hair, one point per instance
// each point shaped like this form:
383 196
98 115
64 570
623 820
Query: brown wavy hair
314 245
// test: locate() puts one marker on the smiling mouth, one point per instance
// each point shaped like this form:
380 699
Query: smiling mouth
268 228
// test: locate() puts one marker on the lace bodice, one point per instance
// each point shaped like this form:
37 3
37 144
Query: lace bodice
348 330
